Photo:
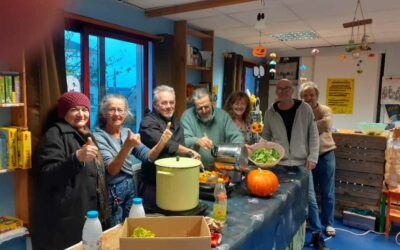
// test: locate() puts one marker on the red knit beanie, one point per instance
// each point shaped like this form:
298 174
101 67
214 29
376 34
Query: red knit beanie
69 100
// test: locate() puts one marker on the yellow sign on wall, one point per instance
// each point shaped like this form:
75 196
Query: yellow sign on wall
340 95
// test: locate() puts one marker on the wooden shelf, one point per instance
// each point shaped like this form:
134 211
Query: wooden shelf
181 70
195 67
199 34
10 105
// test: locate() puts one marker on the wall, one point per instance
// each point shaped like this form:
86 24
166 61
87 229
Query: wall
366 95
132 17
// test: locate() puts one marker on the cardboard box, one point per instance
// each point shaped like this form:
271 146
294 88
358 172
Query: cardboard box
172 232
11 141
24 149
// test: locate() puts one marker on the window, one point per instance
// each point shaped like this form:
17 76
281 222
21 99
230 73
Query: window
101 62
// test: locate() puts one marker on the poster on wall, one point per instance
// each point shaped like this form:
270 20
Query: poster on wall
340 95
390 92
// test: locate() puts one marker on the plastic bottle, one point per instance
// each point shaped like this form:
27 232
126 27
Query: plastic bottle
91 234
137 209
221 201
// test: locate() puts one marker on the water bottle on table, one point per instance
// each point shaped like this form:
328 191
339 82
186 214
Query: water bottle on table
137 209
92 230
221 201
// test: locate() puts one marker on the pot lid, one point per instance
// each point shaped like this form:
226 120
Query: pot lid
178 162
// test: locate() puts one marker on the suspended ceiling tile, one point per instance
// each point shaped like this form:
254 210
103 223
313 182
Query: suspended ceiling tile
387 37
252 39
215 23
148 4
308 43
337 40
389 15
194 14
311 8
234 8
334 32
236 32
280 14
327 23
283 27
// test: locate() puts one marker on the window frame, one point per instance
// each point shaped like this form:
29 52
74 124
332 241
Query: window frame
111 31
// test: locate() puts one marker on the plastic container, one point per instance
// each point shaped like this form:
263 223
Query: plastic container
92 230
137 209
221 202
371 128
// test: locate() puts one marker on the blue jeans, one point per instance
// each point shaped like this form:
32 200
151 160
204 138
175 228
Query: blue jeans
324 181
314 222
120 199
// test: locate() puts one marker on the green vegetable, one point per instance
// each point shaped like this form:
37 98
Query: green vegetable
265 155
140 232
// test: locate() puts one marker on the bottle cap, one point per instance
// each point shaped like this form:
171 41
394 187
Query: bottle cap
137 200
92 214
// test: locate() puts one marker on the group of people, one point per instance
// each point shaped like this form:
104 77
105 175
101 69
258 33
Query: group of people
76 170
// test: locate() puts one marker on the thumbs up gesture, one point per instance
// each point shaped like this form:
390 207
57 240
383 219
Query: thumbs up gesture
167 134
132 140
88 152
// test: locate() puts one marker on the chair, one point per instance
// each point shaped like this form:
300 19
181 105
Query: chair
392 210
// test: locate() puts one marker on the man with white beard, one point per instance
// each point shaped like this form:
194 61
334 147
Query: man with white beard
205 126
151 129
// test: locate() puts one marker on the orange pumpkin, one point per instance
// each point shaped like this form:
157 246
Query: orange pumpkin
261 182
260 51
257 127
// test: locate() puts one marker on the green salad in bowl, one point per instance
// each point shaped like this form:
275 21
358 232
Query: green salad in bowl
266 154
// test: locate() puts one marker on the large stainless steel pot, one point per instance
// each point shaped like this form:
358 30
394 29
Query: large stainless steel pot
177 183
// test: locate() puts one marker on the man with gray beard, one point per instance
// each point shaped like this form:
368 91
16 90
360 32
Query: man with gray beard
205 126
151 129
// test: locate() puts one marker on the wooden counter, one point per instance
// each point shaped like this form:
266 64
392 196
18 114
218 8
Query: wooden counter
360 167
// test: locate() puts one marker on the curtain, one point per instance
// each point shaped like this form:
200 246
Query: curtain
233 68
46 81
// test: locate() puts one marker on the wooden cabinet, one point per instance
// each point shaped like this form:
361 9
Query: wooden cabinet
18 113
360 166
182 35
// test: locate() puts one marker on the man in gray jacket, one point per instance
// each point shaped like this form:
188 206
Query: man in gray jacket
290 122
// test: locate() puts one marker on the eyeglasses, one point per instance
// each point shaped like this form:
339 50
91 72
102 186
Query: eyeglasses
115 110
287 88
167 103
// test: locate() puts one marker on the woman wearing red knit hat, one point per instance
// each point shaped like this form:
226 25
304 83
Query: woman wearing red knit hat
68 177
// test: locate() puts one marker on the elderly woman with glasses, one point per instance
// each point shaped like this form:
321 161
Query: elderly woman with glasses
123 154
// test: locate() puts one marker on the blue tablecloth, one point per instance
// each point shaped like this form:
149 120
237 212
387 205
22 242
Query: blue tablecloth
267 223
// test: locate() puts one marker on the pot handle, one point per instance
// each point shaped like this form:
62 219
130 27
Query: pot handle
165 173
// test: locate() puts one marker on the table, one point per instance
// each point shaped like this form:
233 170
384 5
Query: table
267 223
256 223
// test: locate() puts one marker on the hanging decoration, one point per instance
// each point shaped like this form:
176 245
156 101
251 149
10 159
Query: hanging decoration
357 41
359 70
315 51
303 67
258 71
260 50
342 57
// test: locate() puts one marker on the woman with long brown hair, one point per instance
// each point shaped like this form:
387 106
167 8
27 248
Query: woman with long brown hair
238 107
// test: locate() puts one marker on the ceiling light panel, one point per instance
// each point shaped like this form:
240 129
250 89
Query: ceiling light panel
295 36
